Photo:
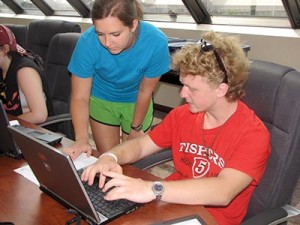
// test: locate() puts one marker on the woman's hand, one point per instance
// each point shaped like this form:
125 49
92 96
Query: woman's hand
77 148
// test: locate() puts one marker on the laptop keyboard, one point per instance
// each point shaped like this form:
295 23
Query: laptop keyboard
107 208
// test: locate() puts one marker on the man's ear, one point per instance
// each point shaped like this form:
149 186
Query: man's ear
222 89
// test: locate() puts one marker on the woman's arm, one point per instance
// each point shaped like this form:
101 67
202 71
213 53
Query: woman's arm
80 97
30 83
146 90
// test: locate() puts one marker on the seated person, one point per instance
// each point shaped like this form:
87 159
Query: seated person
220 147
22 89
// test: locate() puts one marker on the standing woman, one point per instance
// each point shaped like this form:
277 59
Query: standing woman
21 84
115 68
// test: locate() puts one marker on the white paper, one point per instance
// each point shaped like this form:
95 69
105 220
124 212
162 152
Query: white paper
14 122
26 172
83 161
80 162
188 222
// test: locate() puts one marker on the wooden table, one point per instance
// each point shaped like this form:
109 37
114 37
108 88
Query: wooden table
22 202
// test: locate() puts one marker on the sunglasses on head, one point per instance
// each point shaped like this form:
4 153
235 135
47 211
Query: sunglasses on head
206 47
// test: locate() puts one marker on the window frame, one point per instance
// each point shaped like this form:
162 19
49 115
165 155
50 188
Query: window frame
13 6
292 8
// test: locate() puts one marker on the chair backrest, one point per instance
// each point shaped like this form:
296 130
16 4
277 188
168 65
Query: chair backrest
57 75
273 92
40 33
20 32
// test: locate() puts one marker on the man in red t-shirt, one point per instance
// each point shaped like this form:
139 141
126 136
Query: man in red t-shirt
219 146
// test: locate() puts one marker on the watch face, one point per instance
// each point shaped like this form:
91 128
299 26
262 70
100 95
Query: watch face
158 187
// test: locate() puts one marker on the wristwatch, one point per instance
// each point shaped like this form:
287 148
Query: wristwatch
137 128
158 189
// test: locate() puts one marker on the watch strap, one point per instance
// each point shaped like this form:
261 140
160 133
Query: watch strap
137 128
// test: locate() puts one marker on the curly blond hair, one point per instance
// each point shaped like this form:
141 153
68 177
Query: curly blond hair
191 60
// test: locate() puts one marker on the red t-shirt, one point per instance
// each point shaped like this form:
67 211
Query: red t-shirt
242 143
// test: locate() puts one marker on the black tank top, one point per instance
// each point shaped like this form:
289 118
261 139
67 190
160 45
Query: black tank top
12 102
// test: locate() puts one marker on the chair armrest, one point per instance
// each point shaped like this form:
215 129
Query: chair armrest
154 159
273 216
56 119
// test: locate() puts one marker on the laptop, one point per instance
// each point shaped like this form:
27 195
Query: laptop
9 146
58 178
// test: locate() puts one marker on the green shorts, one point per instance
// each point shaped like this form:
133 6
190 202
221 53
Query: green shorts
117 114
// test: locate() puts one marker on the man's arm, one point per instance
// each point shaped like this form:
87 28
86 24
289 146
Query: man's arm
214 191
218 191
131 151
127 152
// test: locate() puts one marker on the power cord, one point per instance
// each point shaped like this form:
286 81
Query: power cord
76 219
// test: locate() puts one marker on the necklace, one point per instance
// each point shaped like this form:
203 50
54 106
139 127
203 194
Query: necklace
220 128
209 146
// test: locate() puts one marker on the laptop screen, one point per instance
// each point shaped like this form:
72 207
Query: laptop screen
8 146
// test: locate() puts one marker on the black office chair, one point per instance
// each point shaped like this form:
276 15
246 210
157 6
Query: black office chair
272 91
59 82
40 33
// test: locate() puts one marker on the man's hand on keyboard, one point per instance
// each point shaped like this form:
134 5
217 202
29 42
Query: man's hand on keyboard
102 165
124 187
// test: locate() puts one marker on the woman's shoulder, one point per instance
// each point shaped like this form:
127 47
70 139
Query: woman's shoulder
88 34
149 29
23 61
88 39
155 38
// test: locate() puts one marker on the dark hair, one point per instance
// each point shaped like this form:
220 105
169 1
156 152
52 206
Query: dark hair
125 10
